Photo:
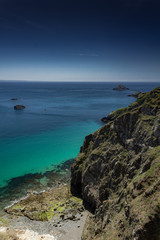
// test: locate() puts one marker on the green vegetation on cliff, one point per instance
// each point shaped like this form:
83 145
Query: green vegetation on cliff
117 173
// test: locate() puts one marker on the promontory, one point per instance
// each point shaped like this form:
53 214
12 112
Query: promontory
117 174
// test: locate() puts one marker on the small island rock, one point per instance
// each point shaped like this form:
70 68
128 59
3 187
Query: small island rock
120 88
14 99
19 107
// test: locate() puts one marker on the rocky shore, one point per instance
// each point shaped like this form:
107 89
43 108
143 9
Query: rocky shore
18 187
44 208
136 94
53 214
117 173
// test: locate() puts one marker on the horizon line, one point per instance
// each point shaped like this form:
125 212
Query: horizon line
57 81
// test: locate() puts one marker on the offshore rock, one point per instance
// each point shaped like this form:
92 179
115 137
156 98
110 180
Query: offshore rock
120 88
19 107
14 99
117 173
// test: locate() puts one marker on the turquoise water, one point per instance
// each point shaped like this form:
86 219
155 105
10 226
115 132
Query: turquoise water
52 127
33 153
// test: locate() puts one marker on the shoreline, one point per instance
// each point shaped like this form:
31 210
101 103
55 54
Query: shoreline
28 229
70 227
19 187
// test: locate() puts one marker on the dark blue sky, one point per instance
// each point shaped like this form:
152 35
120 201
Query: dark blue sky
64 40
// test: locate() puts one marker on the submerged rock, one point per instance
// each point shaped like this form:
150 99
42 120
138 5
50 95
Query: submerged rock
19 107
120 88
117 173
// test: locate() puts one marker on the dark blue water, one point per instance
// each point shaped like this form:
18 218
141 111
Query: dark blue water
57 118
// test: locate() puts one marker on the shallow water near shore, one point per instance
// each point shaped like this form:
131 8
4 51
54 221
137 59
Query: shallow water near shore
40 152
52 127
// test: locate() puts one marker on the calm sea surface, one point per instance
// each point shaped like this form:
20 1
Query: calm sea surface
57 118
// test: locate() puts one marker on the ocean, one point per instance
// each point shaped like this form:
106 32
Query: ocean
52 127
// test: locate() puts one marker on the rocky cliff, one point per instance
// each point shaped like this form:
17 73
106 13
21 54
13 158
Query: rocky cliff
117 173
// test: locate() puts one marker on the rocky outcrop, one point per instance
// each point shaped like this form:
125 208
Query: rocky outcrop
14 99
113 115
19 107
136 94
120 88
117 173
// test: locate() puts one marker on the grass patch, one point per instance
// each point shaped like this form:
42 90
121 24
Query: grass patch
3 222
119 112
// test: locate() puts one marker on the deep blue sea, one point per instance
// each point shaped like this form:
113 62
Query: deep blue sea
53 125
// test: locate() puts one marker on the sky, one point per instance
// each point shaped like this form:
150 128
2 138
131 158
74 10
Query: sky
91 40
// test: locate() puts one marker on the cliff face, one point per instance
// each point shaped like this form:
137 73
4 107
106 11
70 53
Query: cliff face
117 173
